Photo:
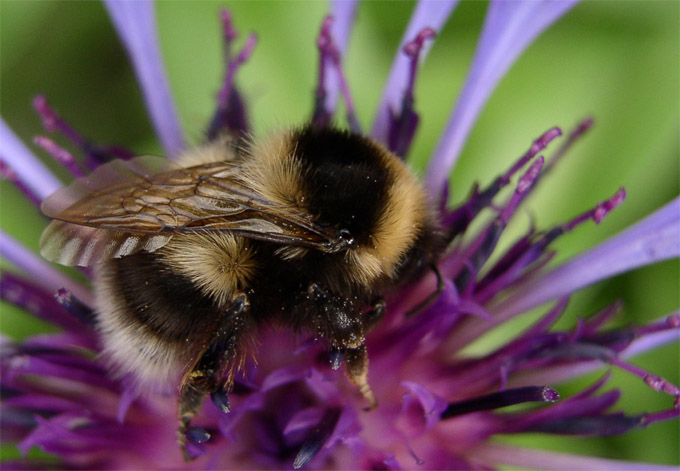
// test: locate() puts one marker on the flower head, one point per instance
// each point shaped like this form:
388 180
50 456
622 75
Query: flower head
440 401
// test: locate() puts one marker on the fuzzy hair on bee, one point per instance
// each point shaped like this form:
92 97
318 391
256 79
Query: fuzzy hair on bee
308 229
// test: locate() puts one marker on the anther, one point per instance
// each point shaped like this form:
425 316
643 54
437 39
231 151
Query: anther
60 154
317 438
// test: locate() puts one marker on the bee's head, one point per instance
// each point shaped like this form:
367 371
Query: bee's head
356 188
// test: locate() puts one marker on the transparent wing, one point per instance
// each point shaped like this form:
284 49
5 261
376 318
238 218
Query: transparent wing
125 207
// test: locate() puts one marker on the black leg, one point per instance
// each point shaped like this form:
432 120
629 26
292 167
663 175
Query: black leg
207 376
341 321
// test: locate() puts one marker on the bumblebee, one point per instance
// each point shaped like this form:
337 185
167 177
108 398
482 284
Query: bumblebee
307 228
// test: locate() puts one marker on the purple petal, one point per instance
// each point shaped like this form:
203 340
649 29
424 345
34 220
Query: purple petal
494 455
510 26
344 13
421 408
304 419
135 23
654 239
40 271
30 170
427 13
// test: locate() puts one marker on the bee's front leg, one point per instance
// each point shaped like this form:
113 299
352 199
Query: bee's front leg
341 321
207 376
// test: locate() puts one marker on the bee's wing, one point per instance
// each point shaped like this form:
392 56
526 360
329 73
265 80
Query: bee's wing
125 207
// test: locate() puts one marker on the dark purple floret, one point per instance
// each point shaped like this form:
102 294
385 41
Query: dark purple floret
231 115
403 124
60 154
329 57
96 155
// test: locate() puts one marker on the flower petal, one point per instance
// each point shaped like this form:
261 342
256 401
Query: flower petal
30 170
40 271
548 460
654 239
426 14
136 26
508 29
344 13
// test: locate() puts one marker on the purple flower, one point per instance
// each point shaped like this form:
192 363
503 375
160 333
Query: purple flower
441 404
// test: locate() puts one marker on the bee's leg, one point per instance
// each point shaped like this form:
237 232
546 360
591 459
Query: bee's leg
343 324
207 374
356 362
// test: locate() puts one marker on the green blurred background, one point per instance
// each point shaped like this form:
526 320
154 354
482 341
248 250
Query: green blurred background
616 61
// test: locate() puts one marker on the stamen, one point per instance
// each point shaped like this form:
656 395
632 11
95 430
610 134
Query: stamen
659 416
574 136
317 438
228 31
231 113
525 184
459 219
322 116
328 51
52 122
424 14
60 154
483 247
75 307
8 174
505 398
599 212
671 322
516 264
403 126
657 383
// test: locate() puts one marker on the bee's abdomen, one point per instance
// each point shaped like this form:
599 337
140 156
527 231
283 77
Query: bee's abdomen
151 318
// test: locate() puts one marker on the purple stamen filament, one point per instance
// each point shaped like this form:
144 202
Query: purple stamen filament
54 123
412 49
232 67
329 51
60 154
505 398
